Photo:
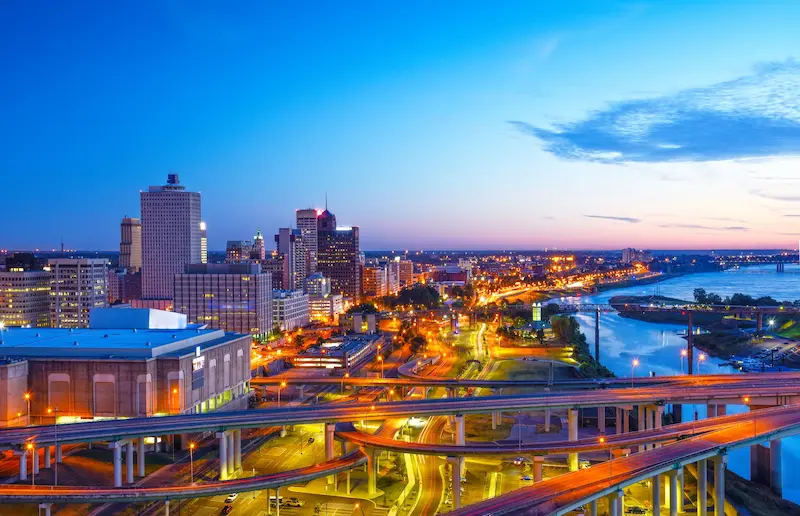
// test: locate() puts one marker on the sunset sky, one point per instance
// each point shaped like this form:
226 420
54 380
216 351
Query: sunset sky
434 125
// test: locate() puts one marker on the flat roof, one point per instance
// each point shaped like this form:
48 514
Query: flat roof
121 344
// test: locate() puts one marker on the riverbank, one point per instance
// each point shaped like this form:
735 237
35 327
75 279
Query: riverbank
623 304
604 287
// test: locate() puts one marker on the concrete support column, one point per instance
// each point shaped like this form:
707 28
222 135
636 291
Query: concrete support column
347 490
640 418
702 487
711 411
59 454
572 419
722 410
223 455
618 420
129 462
673 492
166 507
237 449
593 508
117 448
547 420
330 428
776 467
601 419
681 477
615 503
140 455
277 500
538 462
231 466
719 484
47 459
459 429
35 461
655 494
626 421
372 470
659 414
47 507
455 466
23 465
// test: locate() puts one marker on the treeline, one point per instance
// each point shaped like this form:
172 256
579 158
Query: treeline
710 298
415 296
567 330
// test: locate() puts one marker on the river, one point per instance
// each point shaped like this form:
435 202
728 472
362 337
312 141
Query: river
658 346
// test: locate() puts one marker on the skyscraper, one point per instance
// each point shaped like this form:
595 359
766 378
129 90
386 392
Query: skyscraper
289 243
338 257
258 252
25 297
203 243
307 224
170 236
238 251
130 244
77 285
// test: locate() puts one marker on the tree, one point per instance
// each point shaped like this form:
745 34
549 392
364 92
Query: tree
713 299
416 343
700 295
363 308
565 328
540 336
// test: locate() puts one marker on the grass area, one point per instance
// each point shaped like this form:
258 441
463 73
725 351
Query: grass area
723 345
527 370
790 329
392 482
478 427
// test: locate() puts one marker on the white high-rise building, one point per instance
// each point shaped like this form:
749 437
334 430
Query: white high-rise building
77 285
171 236
203 243
307 224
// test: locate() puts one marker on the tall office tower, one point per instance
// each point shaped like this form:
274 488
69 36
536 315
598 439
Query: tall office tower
289 243
77 285
277 267
24 295
339 258
307 224
170 236
203 243
238 251
406 272
258 252
130 244
231 297
393 276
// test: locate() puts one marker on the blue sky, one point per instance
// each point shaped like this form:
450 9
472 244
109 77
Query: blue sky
429 124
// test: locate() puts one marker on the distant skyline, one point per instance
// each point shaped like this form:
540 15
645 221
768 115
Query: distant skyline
468 125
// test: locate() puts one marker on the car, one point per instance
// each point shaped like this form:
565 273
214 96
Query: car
232 497
310 440
227 509
294 502
635 510
527 478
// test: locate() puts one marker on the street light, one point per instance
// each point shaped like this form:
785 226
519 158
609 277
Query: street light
191 463
28 401
380 359
33 471
634 364
54 411
684 354
700 359
346 375
281 386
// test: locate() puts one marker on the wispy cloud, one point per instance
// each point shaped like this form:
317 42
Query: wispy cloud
792 215
704 227
629 220
754 116
775 196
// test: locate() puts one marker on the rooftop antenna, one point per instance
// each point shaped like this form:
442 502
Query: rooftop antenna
326 200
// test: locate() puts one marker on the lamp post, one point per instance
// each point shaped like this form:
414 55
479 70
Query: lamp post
380 359
346 375
281 386
191 463
700 359
28 402
54 411
684 354
634 364
32 449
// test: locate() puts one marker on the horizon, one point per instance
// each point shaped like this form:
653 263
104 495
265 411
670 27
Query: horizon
518 125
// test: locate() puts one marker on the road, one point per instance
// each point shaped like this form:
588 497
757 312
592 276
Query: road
765 391
559 494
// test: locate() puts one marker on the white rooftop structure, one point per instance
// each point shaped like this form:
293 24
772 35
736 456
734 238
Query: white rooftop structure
139 318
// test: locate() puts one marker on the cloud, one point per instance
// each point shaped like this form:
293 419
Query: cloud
753 116
629 220
792 215
701 226
775 197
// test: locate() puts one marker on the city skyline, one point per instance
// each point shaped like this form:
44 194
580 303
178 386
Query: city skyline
507 127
